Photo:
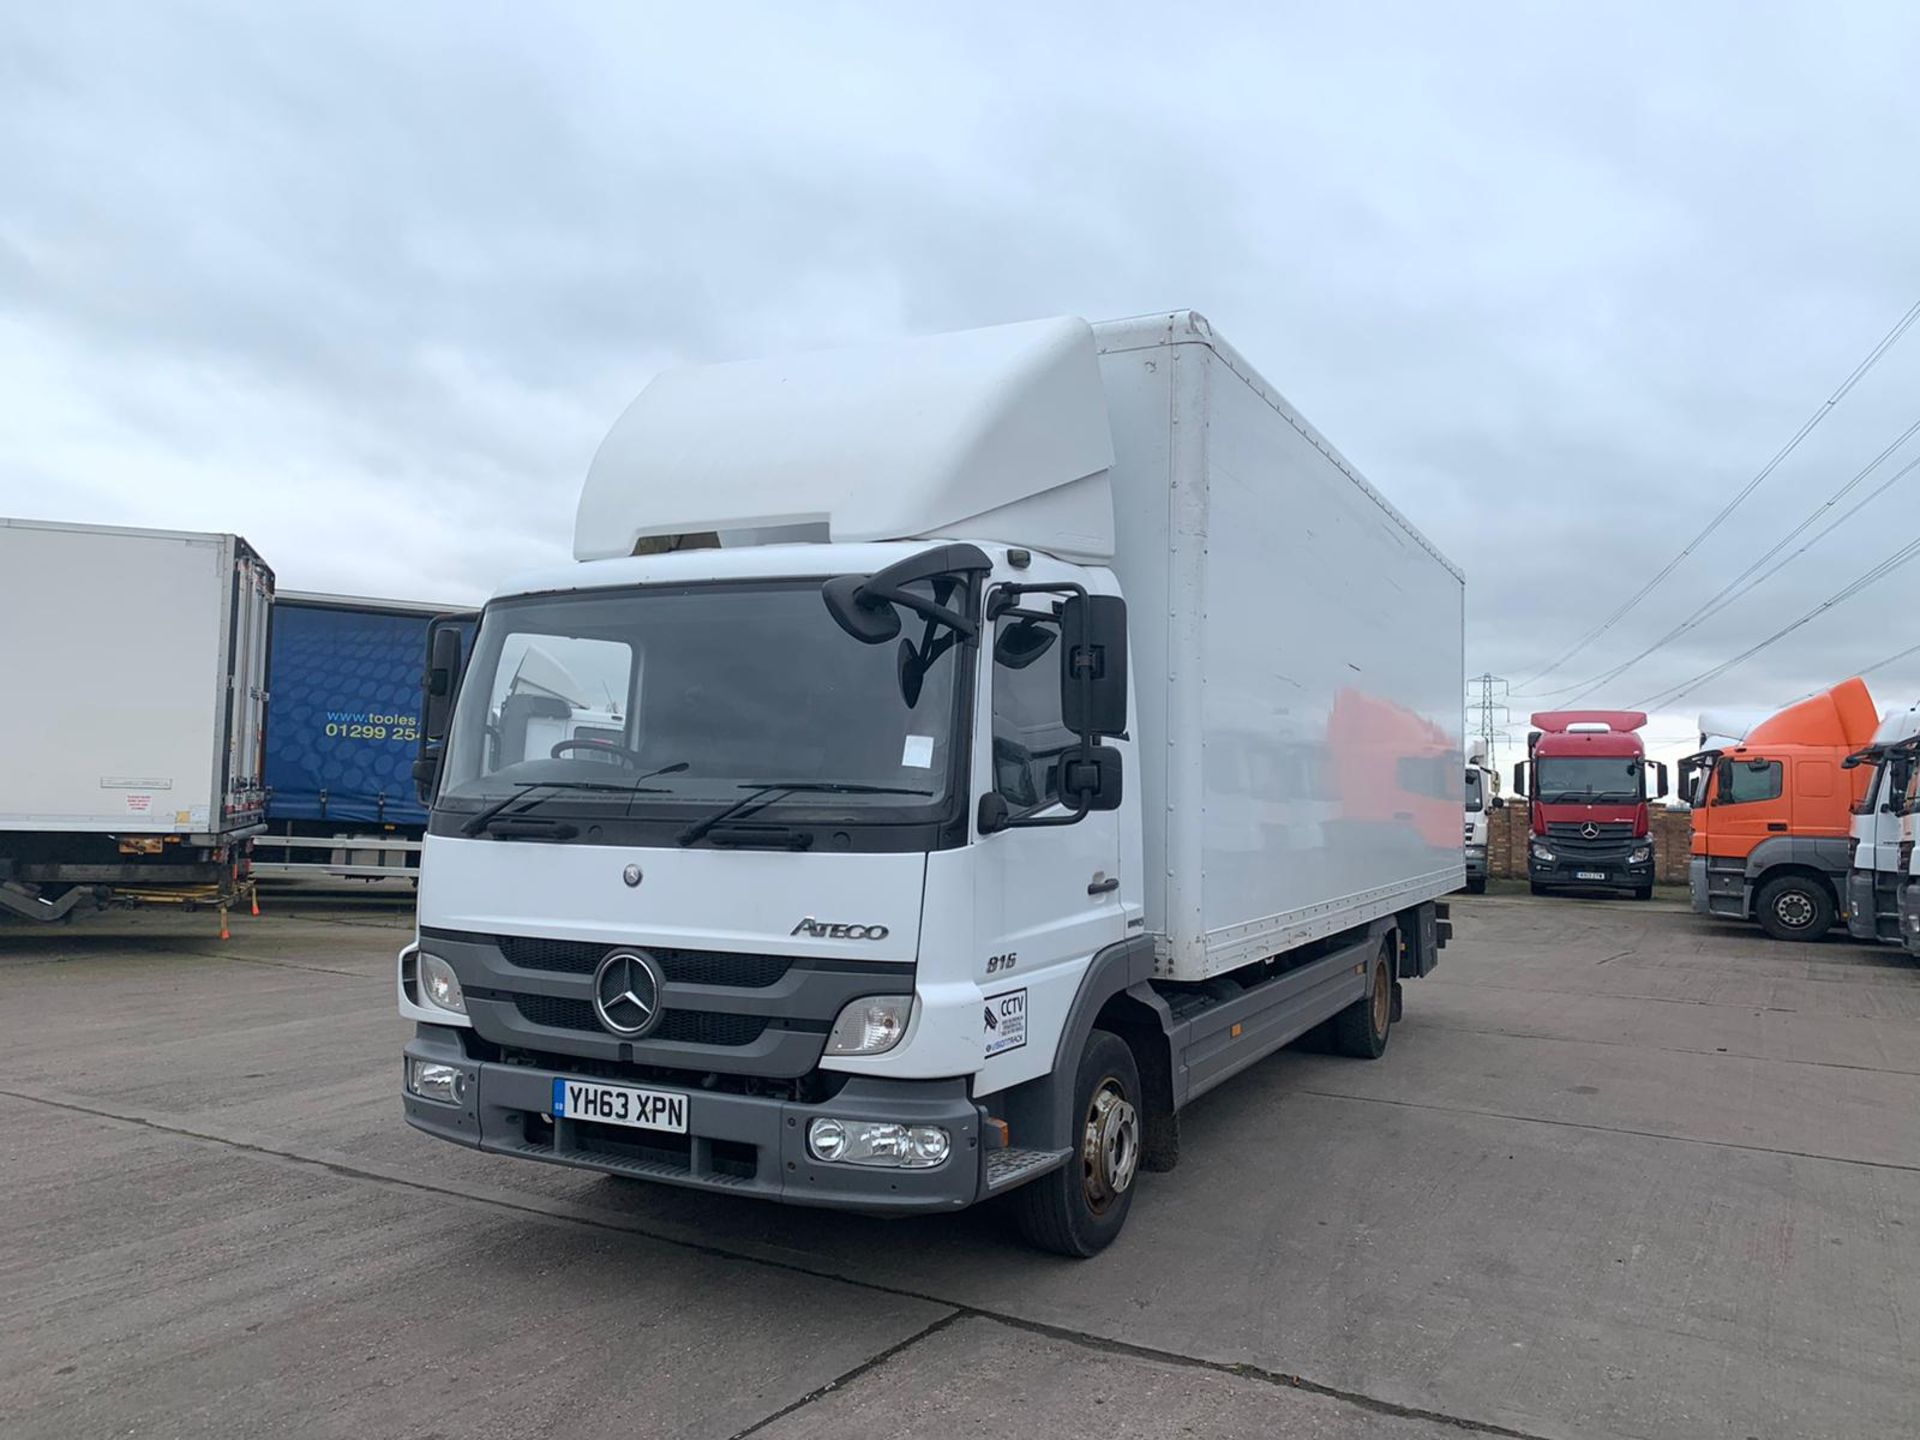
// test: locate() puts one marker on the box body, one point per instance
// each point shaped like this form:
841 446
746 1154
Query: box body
135 665
1298 663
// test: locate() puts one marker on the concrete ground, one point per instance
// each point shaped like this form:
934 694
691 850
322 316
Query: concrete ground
1621 1173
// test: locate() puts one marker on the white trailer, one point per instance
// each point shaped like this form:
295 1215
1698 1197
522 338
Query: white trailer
1025 731
130 749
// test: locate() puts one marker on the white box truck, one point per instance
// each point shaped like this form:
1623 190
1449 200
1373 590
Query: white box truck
130 746
1007 737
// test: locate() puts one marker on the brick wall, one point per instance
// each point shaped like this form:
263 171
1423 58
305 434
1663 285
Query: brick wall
1507 844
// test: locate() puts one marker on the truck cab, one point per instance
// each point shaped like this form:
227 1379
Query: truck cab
1588 782
1773 815
1909 898
1882 827
1483 798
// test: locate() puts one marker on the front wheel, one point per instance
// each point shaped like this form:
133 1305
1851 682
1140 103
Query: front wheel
1795 907
1477 885
1643 892
1078 1209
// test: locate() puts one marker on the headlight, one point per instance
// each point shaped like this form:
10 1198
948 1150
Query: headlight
870 1026
1641 856
430 1081
439 985
1542 854
878 1142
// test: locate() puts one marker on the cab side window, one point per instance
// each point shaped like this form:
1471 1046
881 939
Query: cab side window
1745 781
1029 735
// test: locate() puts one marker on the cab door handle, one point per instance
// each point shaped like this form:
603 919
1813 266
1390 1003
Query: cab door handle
1102 885
1776 825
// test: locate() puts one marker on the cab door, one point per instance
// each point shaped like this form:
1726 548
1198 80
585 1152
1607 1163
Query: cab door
1748 805
1049 896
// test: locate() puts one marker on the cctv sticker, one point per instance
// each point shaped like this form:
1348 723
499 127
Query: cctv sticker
1006 1021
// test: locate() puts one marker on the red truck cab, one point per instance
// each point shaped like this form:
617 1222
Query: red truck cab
1585 780
1773 815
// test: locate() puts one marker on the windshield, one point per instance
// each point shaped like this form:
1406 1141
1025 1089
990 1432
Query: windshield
1590 780
1475 799
724 687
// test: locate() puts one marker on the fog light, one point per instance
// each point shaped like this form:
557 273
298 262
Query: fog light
870 1026
879 1143
431 1081
439 985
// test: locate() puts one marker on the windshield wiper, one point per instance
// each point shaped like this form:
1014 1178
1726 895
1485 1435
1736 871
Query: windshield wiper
481 819
767 794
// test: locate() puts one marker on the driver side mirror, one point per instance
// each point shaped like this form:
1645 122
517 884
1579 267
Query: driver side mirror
1660 769
1520 778
1093 665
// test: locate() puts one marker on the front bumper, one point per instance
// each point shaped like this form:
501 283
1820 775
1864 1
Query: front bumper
1476 862
1616 872
737 1144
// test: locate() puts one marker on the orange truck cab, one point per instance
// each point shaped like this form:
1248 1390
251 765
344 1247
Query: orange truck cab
1772 815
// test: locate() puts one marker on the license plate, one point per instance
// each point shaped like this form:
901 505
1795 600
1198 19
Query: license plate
1589 874
620 1105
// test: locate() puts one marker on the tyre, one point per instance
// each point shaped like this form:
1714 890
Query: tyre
1537 888
1477 885
1795 907
1643 892
1079 1208
1361 1030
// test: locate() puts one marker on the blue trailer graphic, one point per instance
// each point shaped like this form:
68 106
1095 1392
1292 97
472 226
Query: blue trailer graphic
343 716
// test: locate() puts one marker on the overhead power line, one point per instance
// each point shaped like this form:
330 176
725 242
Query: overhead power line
1859 372
1742 584
1891 660
1904 555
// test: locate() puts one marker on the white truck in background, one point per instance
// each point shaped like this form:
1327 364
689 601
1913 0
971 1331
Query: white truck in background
1483 798
1883 831
131 742
925 866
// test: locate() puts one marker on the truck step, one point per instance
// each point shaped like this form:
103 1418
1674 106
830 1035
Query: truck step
1006 1168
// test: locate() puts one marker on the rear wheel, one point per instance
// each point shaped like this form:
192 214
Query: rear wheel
1361 1030
1078 1209
1795 907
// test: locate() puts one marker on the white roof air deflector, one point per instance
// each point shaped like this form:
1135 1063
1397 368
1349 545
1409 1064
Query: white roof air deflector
997 434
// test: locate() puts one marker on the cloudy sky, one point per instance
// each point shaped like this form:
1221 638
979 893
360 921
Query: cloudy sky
369 283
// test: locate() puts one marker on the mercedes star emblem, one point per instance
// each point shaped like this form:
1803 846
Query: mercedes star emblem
631 875
1590 831
626 993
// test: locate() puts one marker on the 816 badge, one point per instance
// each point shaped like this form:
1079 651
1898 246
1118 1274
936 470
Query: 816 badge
1006 1021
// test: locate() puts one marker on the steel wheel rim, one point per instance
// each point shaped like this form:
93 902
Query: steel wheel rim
1110 1145
1382 1000
1794 910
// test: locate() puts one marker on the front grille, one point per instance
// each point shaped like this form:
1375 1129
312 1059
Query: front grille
1614 837
682 967
684 1027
